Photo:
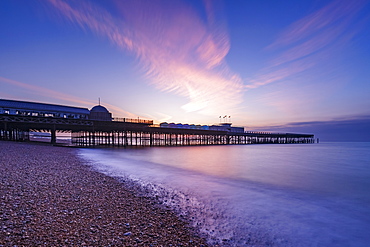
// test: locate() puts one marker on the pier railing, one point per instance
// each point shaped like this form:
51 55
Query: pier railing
133 120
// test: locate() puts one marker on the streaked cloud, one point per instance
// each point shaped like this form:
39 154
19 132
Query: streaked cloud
337 12
44 91
311 40
41 91
270 75
177 49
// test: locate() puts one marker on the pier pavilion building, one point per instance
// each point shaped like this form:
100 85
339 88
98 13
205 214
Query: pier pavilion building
35 109
101 113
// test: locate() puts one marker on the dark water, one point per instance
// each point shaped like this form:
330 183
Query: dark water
257 195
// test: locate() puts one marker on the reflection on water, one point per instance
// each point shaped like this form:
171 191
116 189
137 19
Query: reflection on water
281 195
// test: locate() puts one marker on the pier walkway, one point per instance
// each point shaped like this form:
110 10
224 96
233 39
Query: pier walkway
125 132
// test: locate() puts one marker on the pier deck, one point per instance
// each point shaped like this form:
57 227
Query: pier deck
133 132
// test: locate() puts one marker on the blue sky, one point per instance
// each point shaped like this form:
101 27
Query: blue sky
270 65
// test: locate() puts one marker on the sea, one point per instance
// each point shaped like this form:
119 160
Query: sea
255 195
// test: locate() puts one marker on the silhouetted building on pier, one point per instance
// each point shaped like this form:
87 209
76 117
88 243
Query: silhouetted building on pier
101 113
34 109
221 127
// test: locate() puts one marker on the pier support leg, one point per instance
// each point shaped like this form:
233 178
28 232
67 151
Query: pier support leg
5 131
53 135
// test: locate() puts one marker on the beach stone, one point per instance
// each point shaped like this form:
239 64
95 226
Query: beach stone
50 197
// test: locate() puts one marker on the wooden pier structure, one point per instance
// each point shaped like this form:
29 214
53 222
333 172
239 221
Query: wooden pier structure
19 120
126 132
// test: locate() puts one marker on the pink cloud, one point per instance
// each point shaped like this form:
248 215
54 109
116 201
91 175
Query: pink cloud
178 51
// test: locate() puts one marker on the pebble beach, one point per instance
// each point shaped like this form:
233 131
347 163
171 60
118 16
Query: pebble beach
50 197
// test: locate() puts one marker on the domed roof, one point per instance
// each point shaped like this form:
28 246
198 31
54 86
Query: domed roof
99 108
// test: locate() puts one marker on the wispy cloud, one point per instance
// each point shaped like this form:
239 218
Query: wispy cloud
269 75
310 40
177 49
338 12
45 92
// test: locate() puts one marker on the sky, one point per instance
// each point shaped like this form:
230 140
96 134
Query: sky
282 66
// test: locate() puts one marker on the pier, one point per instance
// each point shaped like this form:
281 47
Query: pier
97 128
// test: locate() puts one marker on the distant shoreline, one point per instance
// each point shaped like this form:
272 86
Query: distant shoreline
49 197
